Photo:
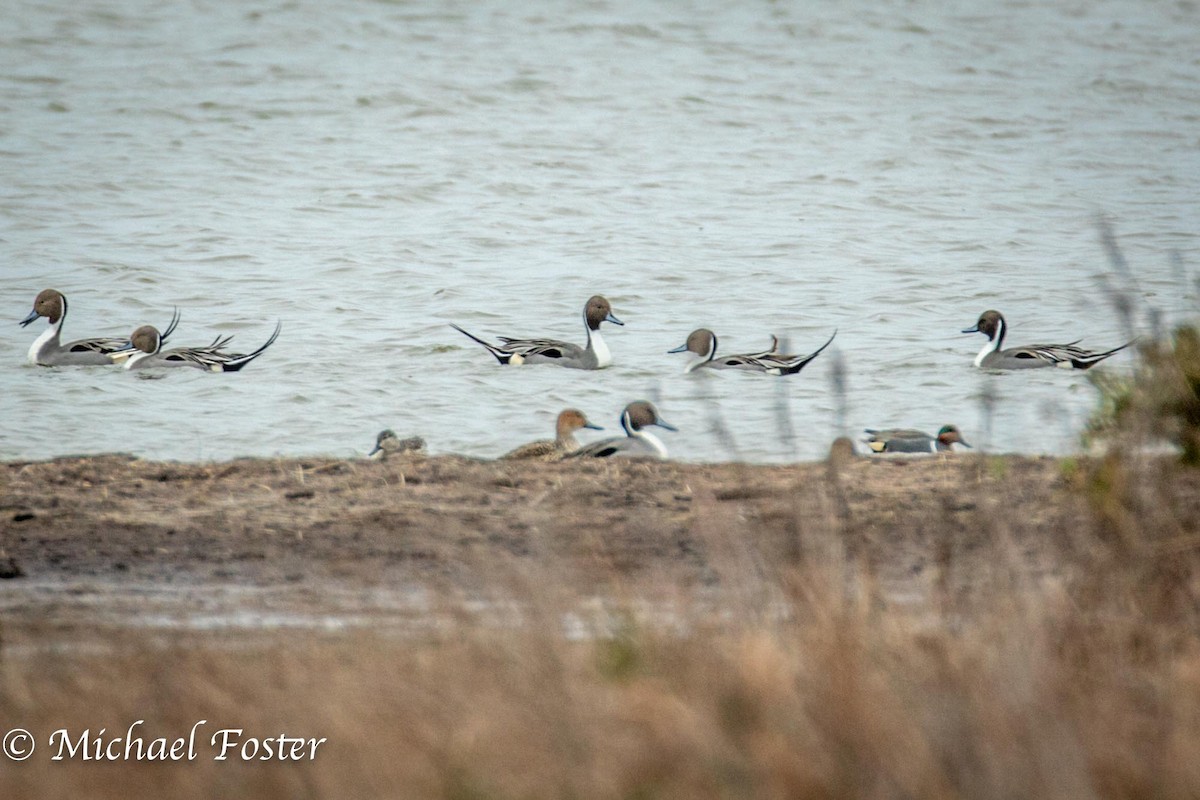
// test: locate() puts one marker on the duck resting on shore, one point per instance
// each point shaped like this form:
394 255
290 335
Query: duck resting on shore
637 441
388 443
564 442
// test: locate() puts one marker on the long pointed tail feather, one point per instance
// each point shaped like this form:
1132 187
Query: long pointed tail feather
500 355
793 369
1092 359
235 364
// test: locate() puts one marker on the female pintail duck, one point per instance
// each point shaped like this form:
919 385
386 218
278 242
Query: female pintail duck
1067 356
148 342
636 441
48 351
552 351
569 421
703 343
907 440
388 443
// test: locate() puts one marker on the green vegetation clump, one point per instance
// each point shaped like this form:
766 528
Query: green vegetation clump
1161 400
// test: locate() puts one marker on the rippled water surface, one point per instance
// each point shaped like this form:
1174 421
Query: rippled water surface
368 172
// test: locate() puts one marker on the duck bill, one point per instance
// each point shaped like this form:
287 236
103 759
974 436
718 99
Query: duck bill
667 425
681 349
374 451
593 426
613 320
121 353
964 444
32 316
973 329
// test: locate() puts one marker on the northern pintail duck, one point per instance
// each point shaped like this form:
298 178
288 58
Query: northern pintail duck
703 343
636 442
147 343
48 351
1067 356
569 421
388 443
907 440
552 351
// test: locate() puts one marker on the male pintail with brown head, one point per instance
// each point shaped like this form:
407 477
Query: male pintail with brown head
1067 356
553 351
637 441
146 344
703 343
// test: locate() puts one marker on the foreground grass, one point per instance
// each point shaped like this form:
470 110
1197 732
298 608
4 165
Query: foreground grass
1034 662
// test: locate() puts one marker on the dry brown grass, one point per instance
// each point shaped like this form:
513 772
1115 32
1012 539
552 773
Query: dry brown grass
1052 652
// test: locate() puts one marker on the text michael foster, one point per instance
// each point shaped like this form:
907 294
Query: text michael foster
225 744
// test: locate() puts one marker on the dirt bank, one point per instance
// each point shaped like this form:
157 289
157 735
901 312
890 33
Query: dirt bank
114 536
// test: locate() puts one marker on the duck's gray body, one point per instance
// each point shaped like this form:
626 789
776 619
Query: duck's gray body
1067 356
48 351
549 351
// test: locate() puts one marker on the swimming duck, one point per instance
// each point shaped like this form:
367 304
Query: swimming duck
1067 356
907 440
703 343
551 351
147 343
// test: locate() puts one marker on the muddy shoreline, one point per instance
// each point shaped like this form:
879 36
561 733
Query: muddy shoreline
325 542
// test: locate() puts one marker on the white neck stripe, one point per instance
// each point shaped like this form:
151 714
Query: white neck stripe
48 338
596 345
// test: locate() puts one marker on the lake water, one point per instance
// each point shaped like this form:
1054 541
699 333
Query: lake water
368 172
